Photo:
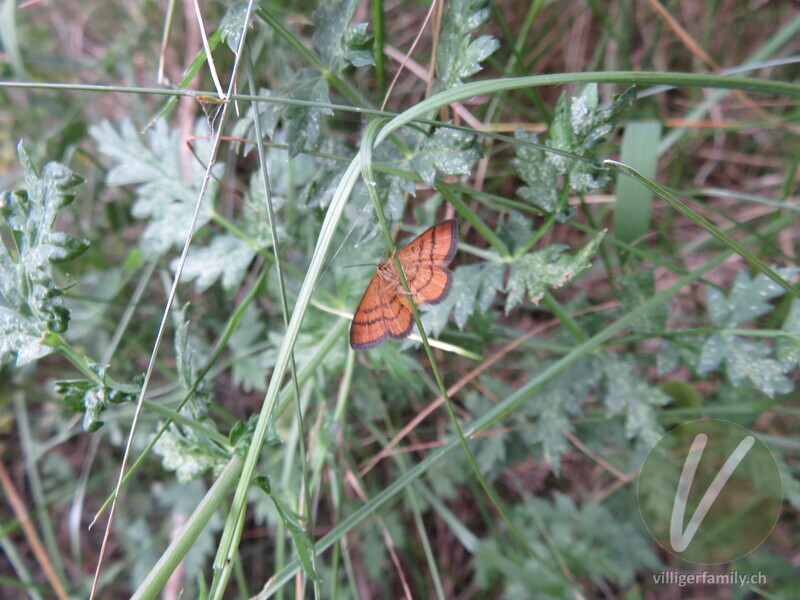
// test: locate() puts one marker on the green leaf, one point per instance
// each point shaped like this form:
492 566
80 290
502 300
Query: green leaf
629 394
474 289
162 195
188 451
233 24
591 543
747 300
338 44
225 258
180 452
401 372
533 273
637 285
184 351
337 41
302 124
578 125
20 338
458 56
746 361
448 150
515 231
539 174
359 46
684 350
553 405
91 398
30 300
596 543
241 435
712 354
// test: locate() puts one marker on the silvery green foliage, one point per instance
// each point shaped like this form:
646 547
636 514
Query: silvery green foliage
163 197
746 360
188 451
339 45
474 289
338 42
531 274
449 151
534 272
30 299
93 399
579 124
458 55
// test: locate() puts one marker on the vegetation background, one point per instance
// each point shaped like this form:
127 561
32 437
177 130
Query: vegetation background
565 350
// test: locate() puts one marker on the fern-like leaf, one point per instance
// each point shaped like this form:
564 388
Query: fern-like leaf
31 300
459 55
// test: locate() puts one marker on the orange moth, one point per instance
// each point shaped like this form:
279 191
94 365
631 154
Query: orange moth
384 310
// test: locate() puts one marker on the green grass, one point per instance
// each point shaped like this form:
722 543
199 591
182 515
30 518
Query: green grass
181 316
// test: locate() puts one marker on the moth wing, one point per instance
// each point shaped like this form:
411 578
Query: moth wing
428 284
368 328
437 245
398 316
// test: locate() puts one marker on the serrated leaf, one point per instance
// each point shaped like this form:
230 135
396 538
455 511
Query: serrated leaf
551 425
358 44
637 285
225 258
337 41
547 268
20 337
712 354
392 189
185 353
233 24
515 231
458 56
180 454
188 451
30 301
400 368
162 196
490 453
551 407
746 361
670 354
473 290
302 124
183 358
539 174
391 192
578 125
594 542
91 398
629 394
749 361
449 151
747 299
